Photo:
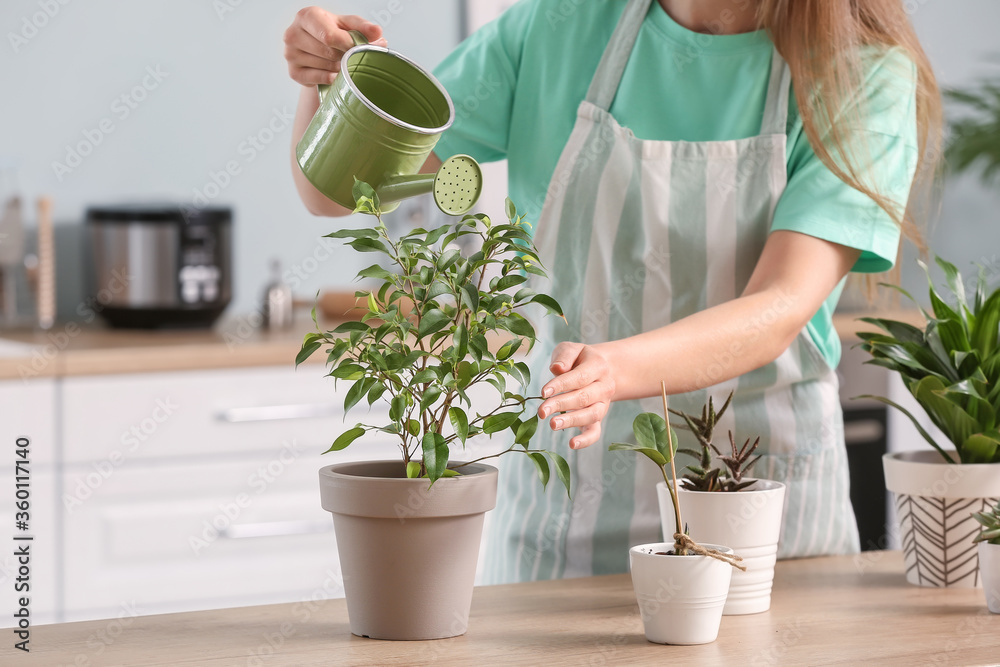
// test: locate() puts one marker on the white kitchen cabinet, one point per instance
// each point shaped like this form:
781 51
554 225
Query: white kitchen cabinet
240 449
26 410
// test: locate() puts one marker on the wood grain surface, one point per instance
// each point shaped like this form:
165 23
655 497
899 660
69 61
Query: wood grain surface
845 610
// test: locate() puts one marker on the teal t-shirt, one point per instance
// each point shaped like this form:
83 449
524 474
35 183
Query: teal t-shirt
518 81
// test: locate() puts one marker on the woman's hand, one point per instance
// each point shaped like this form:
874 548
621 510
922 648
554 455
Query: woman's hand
582 390
316 41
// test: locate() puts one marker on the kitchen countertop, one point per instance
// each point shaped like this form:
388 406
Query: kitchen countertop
843 610
74 349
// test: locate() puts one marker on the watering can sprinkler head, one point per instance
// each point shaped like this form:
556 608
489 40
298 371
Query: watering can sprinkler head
456 185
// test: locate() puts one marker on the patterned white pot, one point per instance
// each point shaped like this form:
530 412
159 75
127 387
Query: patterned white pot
934 505
989 567
749 521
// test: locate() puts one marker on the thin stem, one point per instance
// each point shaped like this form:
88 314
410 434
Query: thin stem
679 548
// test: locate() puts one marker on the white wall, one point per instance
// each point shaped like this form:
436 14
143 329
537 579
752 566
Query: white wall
224 79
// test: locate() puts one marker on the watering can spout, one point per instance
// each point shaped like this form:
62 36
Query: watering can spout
456 186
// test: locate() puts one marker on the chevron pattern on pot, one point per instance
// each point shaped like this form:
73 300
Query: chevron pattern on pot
936 535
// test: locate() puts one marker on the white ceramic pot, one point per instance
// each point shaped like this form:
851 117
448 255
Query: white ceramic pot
680 597
408 551
749 521
934 505
989 567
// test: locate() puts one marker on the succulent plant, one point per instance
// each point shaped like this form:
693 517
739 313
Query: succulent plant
991 525
952 366
702 476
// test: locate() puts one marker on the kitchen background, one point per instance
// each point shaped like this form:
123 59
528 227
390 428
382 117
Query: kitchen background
189 87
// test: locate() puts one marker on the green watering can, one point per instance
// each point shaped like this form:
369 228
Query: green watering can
378 122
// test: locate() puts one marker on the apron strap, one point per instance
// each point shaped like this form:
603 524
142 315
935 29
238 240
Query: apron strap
604 85
776 107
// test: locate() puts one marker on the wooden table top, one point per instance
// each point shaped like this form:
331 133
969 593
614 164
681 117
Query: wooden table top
846 610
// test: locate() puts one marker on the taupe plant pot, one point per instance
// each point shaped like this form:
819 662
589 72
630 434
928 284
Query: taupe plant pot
408 552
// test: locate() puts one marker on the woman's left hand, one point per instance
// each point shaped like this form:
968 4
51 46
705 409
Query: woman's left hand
582 390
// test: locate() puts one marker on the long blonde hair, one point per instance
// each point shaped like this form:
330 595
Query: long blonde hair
823 42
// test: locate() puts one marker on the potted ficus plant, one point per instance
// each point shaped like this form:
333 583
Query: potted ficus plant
989 555
952 369
724 505
680 585
435 328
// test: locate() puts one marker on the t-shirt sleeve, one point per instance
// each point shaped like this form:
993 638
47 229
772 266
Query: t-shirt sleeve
816 202
481 77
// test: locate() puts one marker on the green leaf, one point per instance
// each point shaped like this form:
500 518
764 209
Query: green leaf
447 259
981 448
375 272
357 392
460 422
562 470
368 245
471 297
424 376
542 465
430 396
435 451
363 190
451 473
520 326
346 438
413 427
508 349
650 431
363 233
510 209
413 469
461 342
348 371
432 321
525 430
307 351
376 392
549 303
920 429
398 406
499 422
352 325
653 454
508 281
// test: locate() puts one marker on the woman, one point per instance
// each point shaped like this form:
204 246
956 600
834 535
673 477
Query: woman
704 174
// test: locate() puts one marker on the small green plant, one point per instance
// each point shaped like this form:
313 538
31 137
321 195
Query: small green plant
991 525
702 476
654 439
952 366
424 340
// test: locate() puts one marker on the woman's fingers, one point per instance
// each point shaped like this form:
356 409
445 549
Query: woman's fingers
592 414
371 31
596 392
297 39
309 76
299 58
588 436
563 358
325 27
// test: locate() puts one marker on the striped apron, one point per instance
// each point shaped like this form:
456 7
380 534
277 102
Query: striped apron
635 235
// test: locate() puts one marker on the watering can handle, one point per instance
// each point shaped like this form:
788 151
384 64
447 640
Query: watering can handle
359 39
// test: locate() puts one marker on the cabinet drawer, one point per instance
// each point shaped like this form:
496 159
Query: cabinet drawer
186 414
190 536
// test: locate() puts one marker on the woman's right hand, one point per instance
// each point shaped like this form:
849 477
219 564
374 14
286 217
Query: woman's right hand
316 41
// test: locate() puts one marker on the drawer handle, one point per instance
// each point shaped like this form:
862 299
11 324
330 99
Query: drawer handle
243 531
274 412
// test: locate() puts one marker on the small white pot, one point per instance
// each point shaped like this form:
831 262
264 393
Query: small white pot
749 521
934 505
989 568
680 597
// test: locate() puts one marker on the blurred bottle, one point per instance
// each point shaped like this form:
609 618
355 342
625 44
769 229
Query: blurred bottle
277 304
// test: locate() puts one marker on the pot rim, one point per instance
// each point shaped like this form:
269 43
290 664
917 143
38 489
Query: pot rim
924 473
636 550
773 485
389 117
